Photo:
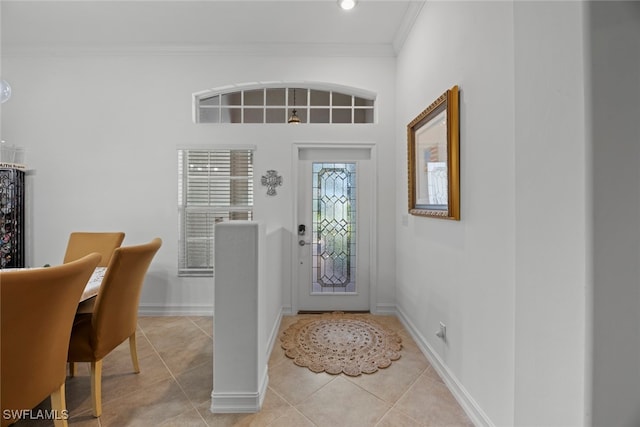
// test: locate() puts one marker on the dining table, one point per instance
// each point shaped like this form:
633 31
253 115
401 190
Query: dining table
91 288
93 285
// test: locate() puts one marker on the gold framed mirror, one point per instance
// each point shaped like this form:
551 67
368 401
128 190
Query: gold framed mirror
434 159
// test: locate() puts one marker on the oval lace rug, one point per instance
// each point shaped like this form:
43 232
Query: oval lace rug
338 342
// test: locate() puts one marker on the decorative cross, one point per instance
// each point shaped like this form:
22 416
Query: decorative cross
271 180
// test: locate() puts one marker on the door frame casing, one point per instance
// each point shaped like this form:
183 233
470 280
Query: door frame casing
373 223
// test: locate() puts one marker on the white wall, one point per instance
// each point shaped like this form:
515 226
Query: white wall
615 93
510 279
101 130
462 273
552 215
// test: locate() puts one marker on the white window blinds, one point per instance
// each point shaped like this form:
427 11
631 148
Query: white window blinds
214 185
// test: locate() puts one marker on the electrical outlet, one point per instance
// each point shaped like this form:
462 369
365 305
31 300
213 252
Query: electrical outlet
442 332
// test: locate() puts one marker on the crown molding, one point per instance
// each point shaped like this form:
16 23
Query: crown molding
253 49
410 16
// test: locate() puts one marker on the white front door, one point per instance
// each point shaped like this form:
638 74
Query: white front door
334 196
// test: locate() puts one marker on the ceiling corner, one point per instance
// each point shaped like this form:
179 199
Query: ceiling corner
413 11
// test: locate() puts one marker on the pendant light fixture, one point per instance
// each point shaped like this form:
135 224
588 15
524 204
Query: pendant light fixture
293 118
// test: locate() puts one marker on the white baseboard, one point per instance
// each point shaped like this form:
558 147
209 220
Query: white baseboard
385 309
175 310
468 404
239 403
273 335
287 310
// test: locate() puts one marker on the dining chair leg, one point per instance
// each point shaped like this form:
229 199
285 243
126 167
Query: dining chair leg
134 353
59 407
96 387
72 369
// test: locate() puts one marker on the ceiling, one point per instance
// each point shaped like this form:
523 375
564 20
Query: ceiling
373 26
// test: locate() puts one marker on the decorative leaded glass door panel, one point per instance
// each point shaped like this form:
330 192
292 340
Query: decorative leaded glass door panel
333 234
334 225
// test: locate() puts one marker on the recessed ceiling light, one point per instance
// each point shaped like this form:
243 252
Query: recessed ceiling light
347 4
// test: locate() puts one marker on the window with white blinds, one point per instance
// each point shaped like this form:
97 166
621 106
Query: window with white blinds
214 185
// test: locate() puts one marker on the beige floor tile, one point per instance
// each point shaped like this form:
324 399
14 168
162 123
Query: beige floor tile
433 375
292 418
342 403
85 420
143 346
432 403
191 418
150 406
205 323
81 369
179 331
295 383
151 323
78 394
197 383
391 383
186 355
119 380
395 418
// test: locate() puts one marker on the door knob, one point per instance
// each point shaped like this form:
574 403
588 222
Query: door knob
302 243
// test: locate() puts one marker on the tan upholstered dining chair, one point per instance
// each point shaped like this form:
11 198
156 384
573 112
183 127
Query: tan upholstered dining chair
82 243
37 308
115 314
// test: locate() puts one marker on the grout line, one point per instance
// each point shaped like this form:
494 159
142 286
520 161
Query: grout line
193 406
304 416
384 415
423 373
170 372
198 326
291 406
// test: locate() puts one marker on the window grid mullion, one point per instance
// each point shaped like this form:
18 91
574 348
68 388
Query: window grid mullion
306 107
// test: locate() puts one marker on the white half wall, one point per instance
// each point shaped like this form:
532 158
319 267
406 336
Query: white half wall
240 349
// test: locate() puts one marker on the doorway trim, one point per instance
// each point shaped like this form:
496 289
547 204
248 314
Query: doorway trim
373 227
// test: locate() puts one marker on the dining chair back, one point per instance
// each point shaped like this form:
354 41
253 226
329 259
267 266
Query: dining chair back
37 308
82 243
115 314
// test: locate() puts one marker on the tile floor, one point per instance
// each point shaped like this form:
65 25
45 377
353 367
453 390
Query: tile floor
174 387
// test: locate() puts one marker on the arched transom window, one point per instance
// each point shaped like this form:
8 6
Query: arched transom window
276 103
